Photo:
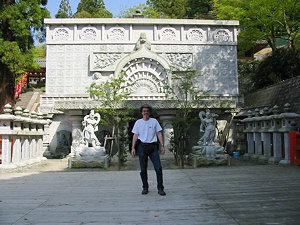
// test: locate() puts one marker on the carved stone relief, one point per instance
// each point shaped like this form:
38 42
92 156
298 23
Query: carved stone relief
168 34
102 60
180 60
116 34
88 34
195 34
221 36
62 34
145 77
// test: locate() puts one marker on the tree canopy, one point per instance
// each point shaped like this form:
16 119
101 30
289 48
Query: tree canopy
19 21
261 20
64 10
181 9
145 10
92 9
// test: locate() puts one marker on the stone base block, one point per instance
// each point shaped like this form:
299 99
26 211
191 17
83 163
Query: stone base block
263 159
89 161
274 160
285 162
198 161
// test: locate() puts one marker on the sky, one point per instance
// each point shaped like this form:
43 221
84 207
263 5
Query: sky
114 6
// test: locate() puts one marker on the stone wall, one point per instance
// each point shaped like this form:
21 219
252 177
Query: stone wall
279 94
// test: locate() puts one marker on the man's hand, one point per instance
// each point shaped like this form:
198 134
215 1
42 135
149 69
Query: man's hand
162 150
133 152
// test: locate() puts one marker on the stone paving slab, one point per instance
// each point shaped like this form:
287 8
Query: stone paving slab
241 194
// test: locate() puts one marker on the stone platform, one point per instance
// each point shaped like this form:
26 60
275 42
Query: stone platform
89 161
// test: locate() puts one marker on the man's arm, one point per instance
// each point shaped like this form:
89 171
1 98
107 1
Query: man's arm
135 136
160 138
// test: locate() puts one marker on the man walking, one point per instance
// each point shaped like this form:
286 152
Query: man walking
146 131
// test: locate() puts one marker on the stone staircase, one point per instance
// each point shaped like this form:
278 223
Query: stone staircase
29 100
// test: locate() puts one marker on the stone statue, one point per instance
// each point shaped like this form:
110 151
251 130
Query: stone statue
90 124
206 153
208 126
143 41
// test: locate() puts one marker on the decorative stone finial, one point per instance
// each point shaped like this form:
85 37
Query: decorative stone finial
33 115
287 107
265 111
256 112
26 113
275 109
40 116
7 109
18 111
249 113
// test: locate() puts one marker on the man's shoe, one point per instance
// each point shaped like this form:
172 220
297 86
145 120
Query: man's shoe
144 192
161 192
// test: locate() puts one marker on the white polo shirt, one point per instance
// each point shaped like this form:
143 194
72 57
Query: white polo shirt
146 129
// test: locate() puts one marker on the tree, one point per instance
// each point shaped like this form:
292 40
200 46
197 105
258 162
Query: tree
186 96
145 10
92 9
261 20
111 94
175 9
181 9
64 10
281 65
19 20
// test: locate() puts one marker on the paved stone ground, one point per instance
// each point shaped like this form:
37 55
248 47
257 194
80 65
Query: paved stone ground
243 193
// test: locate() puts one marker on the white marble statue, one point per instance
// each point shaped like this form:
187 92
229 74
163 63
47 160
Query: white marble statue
208 126
90 124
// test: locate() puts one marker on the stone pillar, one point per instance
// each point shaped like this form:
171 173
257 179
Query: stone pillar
6 150
166 118
287 158
46 143
76 132
258 146
277 148
26 148
250 143
266 138
16 157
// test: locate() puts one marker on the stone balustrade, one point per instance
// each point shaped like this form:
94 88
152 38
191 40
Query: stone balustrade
23 137
268 135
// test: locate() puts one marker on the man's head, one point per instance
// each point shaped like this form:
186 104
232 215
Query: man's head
146 111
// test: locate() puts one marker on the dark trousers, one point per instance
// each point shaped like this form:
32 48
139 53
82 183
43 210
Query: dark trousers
154 157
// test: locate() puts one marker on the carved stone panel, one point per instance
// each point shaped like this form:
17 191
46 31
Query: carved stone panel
195 34
145 77
99 61
88 34
168 34
180 60
222 35
61 34
116 34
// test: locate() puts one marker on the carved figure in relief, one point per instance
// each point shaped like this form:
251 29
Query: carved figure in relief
143 41
208 126
90 124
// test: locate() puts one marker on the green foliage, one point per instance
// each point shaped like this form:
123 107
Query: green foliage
261 20
111 94
64 10
146 11
281 65
181 9
92 9
246 74
186 96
